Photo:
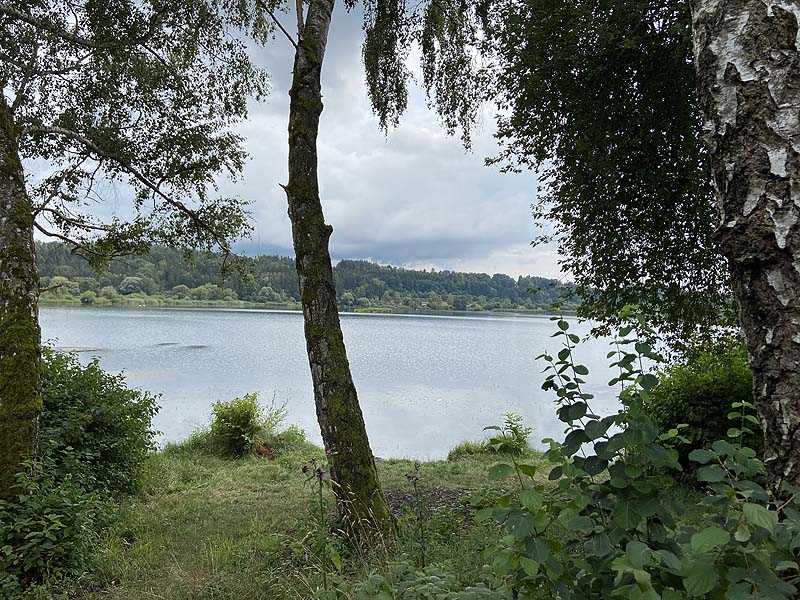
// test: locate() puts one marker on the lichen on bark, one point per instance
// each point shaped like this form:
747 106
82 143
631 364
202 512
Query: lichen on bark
20 374
746 55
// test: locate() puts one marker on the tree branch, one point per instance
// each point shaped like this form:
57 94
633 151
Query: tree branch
138 175
76 39
280 26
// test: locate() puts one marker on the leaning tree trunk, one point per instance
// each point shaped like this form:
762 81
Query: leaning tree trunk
359 497
20 372
748 65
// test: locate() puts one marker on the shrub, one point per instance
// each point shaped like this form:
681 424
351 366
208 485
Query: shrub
699 393
512 438
50 531
235 425
93 427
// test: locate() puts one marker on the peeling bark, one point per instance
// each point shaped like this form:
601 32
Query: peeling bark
746 55
20 371
359 497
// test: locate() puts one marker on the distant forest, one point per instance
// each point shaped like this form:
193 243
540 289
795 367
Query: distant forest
166 277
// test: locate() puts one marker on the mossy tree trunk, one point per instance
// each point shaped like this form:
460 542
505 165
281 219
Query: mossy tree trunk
746 55
20 374
361 503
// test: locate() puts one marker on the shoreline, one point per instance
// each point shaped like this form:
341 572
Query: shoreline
159 303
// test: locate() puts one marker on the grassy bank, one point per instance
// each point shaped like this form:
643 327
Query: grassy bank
206 527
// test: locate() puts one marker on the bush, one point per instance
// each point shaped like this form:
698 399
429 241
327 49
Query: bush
512 438
49 532
93 427
236 424
699 393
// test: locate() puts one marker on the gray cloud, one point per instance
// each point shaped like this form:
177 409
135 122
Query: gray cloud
412 198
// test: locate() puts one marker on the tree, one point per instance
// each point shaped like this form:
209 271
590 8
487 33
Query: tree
135 94
748 67
601 99
362 505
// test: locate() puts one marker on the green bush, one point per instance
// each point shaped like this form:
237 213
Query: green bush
512 438
699 393
93 427
50 531
235 425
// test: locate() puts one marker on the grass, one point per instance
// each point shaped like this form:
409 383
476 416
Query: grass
207 527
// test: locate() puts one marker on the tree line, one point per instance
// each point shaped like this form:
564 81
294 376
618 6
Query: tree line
360 284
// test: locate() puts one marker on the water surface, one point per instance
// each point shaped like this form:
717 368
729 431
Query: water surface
425 382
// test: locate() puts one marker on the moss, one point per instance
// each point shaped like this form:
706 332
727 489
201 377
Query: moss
20 370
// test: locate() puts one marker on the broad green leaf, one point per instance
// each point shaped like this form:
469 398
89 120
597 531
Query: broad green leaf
712 474
530 566
760 516
500 471
526 469
701 456
638 554
742 533
700 579
709 538
625 515
582 524
531 500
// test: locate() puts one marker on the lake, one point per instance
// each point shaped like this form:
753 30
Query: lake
425 383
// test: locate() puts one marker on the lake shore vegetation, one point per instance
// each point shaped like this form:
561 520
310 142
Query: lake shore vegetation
165 277
243 508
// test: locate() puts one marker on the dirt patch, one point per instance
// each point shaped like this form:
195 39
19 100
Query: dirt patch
264 452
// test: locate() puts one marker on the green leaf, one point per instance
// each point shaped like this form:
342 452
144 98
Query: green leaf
712 474
530 566
500 471
709 538
760 516
625 515
563 325
701 456
581 524
638 554
526 469
594 465
581 370
786 565
742 533
531 500
701 578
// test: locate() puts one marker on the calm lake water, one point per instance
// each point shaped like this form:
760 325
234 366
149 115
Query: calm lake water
425 382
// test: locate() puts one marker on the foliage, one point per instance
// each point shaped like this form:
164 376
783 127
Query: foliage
93 428
511 438
273 280
50 531
698 392
628 186
405 582
237 426
138 94
607 529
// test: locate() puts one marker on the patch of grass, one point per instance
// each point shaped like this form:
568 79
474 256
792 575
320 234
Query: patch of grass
202 526
206 527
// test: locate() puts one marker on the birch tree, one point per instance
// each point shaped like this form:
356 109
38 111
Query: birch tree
748 65
138 95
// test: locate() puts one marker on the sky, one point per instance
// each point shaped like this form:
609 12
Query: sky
413 198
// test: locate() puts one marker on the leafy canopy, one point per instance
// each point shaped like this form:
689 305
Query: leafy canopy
137 94
599 97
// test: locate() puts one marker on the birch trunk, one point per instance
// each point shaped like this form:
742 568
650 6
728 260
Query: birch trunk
746 55
359 497
20 371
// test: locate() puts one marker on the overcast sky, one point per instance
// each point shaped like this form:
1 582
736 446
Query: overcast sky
414 199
